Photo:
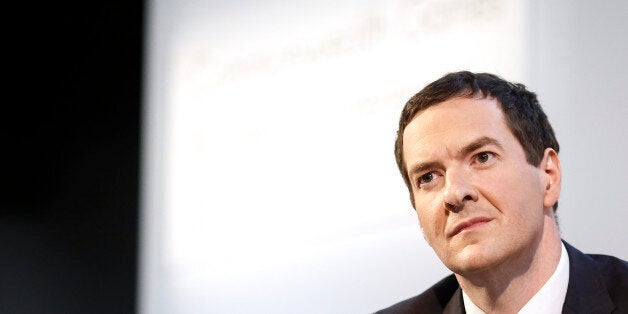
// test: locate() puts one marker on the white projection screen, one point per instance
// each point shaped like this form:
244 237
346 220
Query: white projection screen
269 180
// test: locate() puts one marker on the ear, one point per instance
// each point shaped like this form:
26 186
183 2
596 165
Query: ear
551 177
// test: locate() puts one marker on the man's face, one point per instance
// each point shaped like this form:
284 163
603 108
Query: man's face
479 202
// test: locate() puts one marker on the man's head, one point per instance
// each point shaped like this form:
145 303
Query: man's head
481 164
524 116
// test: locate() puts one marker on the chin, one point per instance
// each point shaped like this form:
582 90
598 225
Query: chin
472 259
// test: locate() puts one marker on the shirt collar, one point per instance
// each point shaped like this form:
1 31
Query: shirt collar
549 299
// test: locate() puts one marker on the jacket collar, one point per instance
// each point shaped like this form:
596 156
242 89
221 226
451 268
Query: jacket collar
585 293
455 305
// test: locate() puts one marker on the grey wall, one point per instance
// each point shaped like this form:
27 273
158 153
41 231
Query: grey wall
578 65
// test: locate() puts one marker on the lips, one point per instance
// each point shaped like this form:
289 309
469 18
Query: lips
465 224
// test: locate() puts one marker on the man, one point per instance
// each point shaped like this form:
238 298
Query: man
480 160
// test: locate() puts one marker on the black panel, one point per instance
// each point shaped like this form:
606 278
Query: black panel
70 146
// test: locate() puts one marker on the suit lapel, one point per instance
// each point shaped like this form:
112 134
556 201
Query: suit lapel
455 304
585 292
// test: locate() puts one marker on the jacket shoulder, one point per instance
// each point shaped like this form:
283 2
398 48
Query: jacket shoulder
610 265
614 275
597 283
432 300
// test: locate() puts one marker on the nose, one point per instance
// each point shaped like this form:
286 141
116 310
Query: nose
458 190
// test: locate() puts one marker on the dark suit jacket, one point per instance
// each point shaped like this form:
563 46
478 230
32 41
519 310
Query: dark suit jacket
597 284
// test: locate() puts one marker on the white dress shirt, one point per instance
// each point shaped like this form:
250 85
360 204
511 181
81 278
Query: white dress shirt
548 300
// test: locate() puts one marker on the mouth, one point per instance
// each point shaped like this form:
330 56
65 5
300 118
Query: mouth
468 225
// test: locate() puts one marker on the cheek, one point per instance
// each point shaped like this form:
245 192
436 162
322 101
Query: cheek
431 217
511 190
517 196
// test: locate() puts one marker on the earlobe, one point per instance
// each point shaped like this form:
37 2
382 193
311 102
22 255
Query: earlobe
552 177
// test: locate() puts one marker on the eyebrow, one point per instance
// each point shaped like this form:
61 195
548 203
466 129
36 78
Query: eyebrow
467 149
479 143
422 167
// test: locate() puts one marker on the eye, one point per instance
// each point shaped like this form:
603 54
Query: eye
484 157
426 178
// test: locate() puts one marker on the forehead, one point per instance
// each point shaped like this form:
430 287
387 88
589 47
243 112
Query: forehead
452 124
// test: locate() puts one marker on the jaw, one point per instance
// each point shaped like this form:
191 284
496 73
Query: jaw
472 257
490 260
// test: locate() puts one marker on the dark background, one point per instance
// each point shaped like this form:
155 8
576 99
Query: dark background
71 129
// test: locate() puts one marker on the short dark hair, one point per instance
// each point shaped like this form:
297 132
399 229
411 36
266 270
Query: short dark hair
524 116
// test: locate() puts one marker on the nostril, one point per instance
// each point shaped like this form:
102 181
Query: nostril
468 198
451 207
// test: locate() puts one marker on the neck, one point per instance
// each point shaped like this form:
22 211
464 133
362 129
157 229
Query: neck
507 287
